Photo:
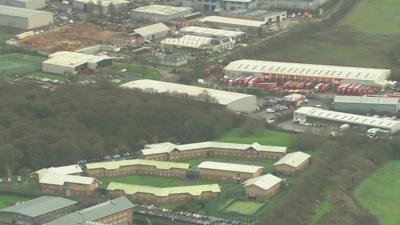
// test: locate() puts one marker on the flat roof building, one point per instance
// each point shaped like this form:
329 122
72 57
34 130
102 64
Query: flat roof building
154 31
262 187
367 104
198 43
258 14
24 19
37 211
105 4
168 151
251 27
164 195
27 4
292 163
65 62
211 32
118 211
228 171
283 71
233 101
304 114
160 13
231 5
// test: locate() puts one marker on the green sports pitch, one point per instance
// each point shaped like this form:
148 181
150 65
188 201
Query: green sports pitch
18 64
244 207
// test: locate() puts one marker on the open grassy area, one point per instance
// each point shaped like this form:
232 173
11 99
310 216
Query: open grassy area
380 193
144 72
244 207
18 64
41 75
4 36
264 137
320 211
7 200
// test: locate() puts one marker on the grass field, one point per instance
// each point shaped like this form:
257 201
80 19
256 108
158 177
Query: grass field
7 200
264 137
380 193
145 72
320 211
244 207
40 75
18 64
4 36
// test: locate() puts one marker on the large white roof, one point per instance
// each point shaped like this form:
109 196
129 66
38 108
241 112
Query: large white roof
161 9
73 59
233 21
166 148
222 97
188 41
293 159
232 167
60 179
104 2
20 12
71 169
152 29
311 70
211 31
265 182
384 123
366 100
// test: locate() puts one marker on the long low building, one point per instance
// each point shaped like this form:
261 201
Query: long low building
251 27
284 71
65 62
153 32
27 4
304 114
219 171
292 163
85 5
233 101
74 169
262 187
160 13
24 19
163 195
68 185
169 152
367 104
198 43
137 166
211 32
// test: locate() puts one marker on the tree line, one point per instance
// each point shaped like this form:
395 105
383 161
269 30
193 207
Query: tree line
41 128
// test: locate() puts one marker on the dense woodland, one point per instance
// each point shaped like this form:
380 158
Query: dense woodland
40 128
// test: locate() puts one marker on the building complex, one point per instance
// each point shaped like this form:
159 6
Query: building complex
251 27
104 4
211 32
219 171
23 18
367 104
153 32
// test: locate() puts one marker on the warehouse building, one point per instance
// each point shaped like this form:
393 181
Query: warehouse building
160 13
72 63
238 36
164 195
37 211
117 211
198 43
74 169
231 5
84 5
202 5
262 187
26 4
169 152
251 27
304 114
292 163
137 166
233 101
24 19
68 185
218 171
282 71
367 104
154 31
270 17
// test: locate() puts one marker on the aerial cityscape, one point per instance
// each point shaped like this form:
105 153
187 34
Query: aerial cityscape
199 112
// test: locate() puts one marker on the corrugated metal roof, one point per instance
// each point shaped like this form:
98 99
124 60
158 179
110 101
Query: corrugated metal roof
188 41
60 179
211 31
73 59
88 215
152 29
232 167
162 165
161 9
384 123
20 12
194 190
366 100
265 182
233 21
39 206
311 70
293 159
222 97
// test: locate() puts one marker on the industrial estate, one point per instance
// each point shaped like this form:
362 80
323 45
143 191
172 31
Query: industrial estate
274 102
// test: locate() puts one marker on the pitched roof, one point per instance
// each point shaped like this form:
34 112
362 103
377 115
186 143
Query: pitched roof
232 21
162 165
70 169
91 214
151 29
233 167
293 159
265 182
60 179
39 206
194 190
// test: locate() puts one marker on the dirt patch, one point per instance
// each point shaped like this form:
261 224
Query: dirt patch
70 37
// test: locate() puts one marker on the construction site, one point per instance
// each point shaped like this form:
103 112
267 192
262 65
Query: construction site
71 37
